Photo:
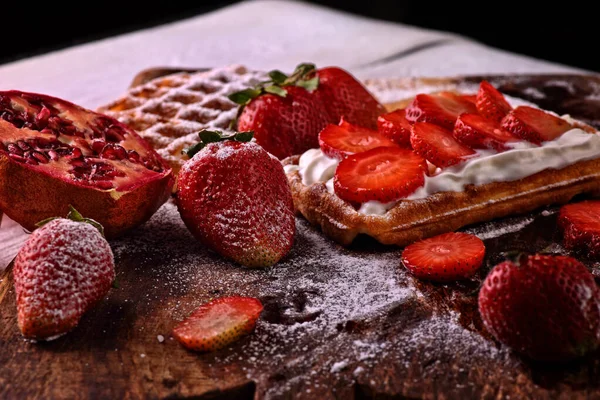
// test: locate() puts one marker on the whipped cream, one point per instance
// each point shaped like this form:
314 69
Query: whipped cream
522 160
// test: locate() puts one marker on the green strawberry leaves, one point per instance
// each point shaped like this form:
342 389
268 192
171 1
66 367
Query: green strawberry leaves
245 96
207 137
76 216
301 77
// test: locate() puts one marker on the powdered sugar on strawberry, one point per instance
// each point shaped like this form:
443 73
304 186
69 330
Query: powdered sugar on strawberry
64 268
235 198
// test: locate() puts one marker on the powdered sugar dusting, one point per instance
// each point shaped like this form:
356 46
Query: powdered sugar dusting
169 111
62 270
499 228
316 302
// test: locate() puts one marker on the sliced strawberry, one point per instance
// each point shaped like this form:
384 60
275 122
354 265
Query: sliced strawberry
384 174
534 125
580 223
218 323
478 132
339 141
396 127
445 257
438 145
470 97
440 109
491 103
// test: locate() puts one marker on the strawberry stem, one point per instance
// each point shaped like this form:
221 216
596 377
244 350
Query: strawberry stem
514 256
301 77
76 216
207 137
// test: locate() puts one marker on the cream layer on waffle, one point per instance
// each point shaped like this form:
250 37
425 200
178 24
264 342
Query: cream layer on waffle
169 111
491 185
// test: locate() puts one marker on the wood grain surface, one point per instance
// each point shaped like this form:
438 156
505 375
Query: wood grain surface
338 323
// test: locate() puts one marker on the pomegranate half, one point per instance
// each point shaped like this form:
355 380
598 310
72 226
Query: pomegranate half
54 153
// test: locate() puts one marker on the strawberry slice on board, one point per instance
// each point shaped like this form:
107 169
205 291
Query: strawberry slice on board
395 127
218 323
339 141
383 174
437 145
440 109
478 132
446 257
580 223
491 103
534 125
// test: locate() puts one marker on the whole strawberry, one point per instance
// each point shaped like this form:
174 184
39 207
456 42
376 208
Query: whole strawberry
543 306
235 198
63 270
284 114
346 97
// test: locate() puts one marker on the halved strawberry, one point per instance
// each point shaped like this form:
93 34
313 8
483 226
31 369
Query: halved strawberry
438 145
446 257
384 174
339 141
396 127
440 109
491 103
478 132
580 223
534 125
218 323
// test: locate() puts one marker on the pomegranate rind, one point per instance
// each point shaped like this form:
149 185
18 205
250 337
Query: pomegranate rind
29 194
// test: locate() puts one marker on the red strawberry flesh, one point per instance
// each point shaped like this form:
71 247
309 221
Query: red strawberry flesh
344 96
218 323
491 103
383 174
437 145
285 126
447 257
339 141
545 307
440 109
395 127
478 132
534 125
580 223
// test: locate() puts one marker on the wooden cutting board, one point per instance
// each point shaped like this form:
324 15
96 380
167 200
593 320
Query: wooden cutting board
338 323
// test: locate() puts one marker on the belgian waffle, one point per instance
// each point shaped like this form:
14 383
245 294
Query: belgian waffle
411 220
168 111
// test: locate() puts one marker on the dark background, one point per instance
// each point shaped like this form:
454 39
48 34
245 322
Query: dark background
567 33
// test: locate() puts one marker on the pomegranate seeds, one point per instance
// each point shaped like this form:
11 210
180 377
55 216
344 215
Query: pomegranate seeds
58 153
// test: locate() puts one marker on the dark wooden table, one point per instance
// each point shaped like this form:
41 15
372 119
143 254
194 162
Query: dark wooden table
338 323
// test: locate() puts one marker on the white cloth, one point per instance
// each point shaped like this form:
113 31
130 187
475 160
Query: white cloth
260 34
